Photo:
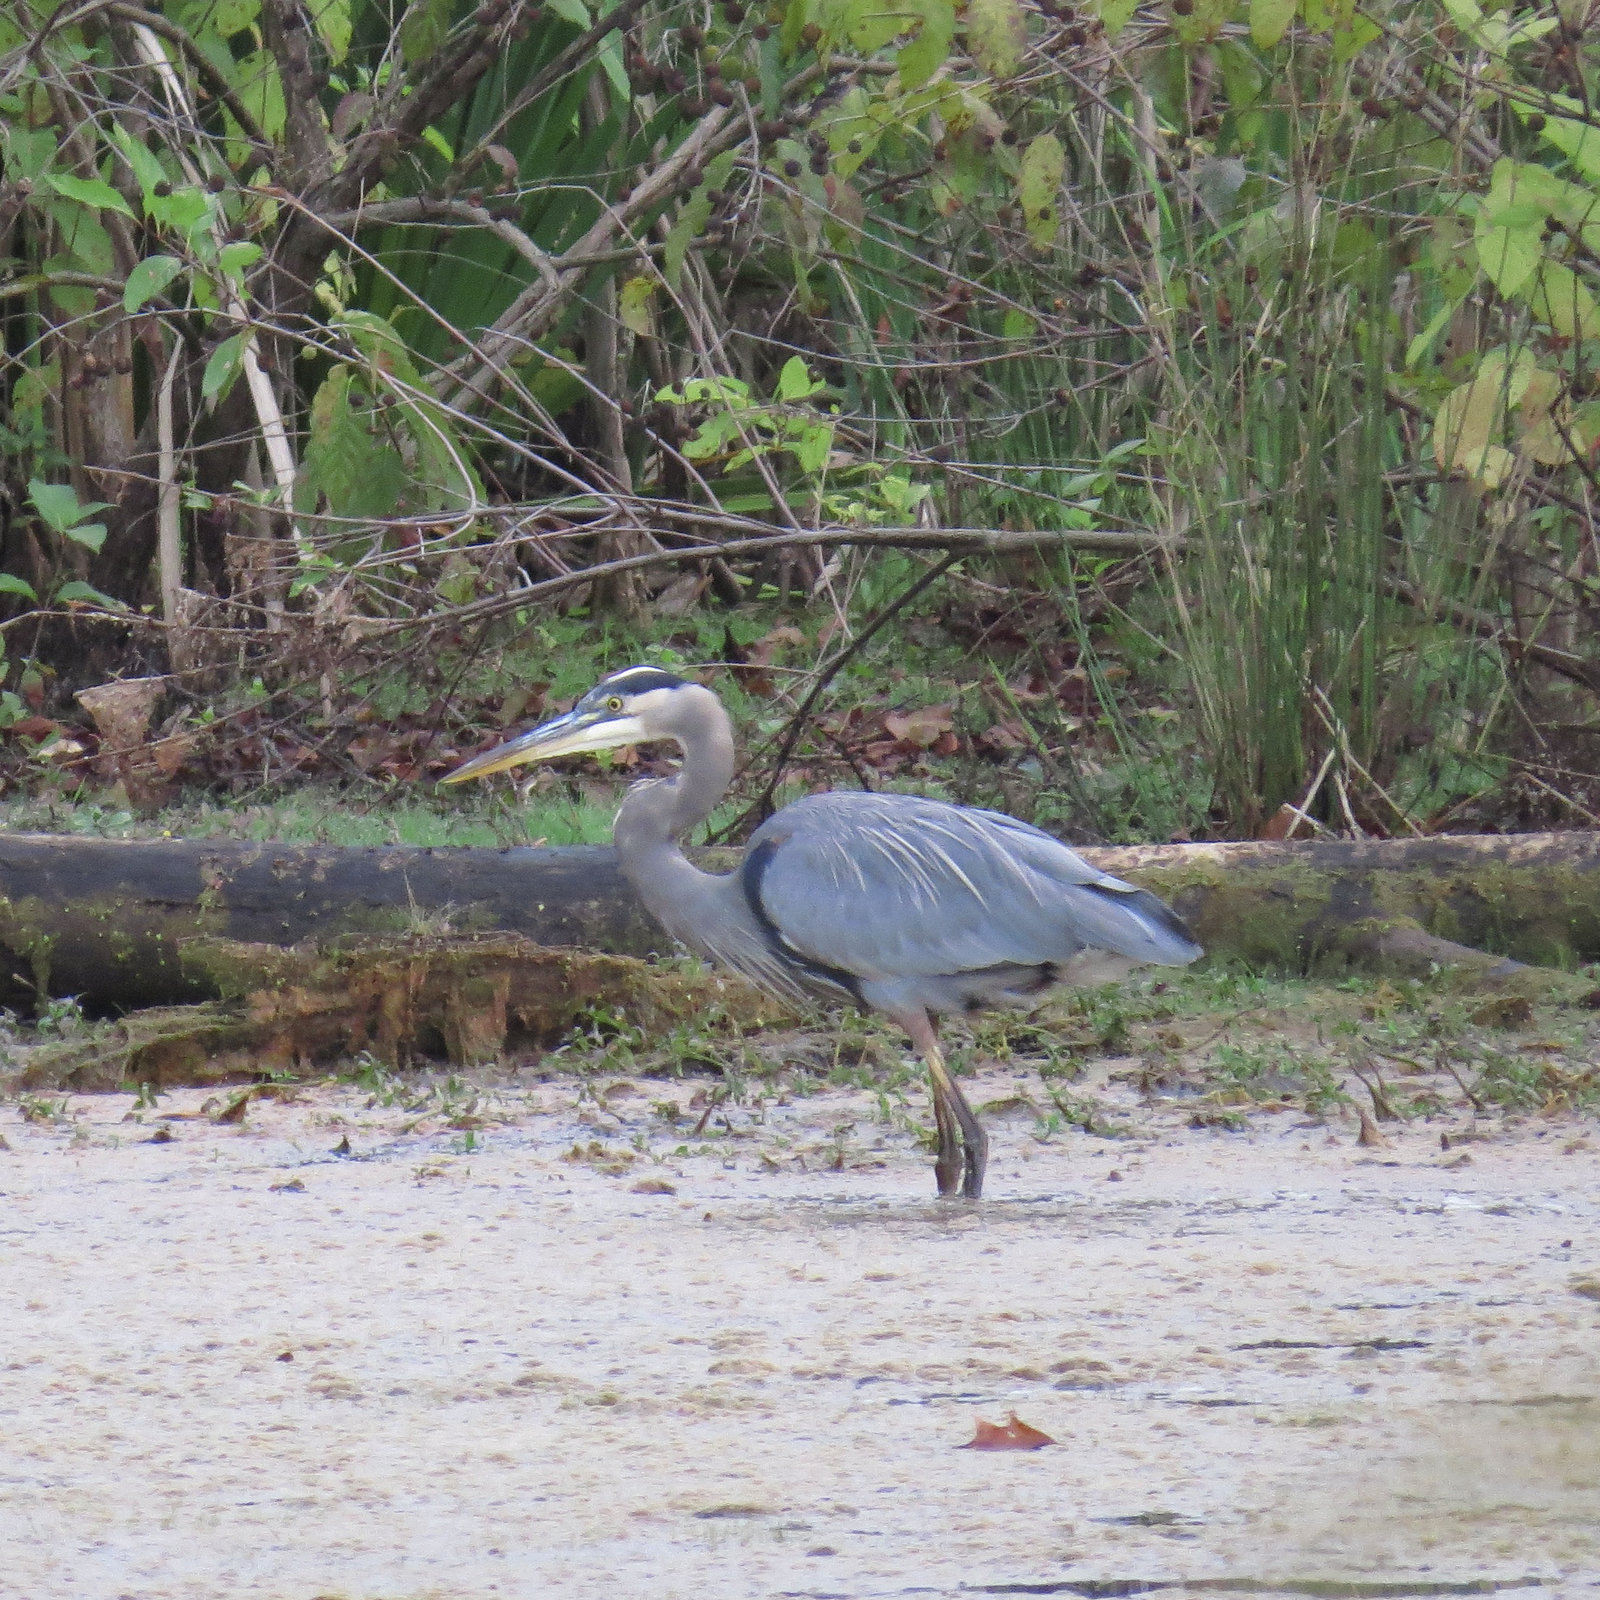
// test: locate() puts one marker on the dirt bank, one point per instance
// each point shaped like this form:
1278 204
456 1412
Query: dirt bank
515 1345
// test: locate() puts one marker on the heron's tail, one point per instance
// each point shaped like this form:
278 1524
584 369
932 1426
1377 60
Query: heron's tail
1133 922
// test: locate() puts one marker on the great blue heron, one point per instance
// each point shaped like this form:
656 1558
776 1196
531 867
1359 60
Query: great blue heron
892 902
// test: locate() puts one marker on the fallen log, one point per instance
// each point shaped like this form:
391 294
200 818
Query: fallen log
285 1013
110 920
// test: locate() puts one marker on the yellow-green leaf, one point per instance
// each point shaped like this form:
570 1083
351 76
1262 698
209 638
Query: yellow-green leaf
1468 426
997 33
1114 15
1039 186
633 305
332 18
1544 419
1572 135
1560 300
1268 21
929 47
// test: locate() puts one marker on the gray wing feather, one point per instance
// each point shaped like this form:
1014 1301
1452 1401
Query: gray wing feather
890 885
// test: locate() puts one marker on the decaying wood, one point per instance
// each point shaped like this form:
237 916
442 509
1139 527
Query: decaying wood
111 920
285 1013
1405 906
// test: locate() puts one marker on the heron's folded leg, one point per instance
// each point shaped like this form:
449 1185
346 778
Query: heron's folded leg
963 1145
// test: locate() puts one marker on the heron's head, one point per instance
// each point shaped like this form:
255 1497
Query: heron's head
629 707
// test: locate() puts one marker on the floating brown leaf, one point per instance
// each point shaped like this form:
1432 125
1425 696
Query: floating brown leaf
1012 1434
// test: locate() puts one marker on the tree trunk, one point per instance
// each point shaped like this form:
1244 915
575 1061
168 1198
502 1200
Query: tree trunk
110 920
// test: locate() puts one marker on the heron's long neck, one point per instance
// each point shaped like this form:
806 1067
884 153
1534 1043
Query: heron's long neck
655 816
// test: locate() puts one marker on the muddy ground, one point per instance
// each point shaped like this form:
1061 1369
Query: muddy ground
610 1336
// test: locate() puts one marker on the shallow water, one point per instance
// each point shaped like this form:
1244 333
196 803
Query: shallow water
1271 1363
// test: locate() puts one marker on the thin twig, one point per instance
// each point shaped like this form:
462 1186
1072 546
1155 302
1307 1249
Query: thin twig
761 807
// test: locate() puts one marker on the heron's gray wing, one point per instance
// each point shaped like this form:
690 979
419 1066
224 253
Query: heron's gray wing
888 885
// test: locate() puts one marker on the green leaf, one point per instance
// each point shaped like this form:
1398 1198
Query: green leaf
423 28
10 583
223 367
1424 341
92 534
147 279
795 16
1114 15
997 33
929 47
1241 74
573 11
88 594
89 191
360 475
1509 254
556 388
1572 135
633 305
439 142
59 505
1017 325
141 160
234 258
1269 19
332 19
234 16
794 382
1562 301
812 446
180 210
261 90
1044 163
693 216
866 24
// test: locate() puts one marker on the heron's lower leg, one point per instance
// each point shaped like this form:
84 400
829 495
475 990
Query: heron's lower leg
963 1145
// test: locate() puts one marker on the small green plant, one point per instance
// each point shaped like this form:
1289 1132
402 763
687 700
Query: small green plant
146 1095
369 1073
42 1109
61 1018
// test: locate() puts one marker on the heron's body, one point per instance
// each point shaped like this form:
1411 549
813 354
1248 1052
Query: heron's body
895 903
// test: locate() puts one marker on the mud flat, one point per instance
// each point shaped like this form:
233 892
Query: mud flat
548 1339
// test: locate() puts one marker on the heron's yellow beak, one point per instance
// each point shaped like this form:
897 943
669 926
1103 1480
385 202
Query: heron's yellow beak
571 735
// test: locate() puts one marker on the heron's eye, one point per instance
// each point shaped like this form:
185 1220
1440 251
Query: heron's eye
614 703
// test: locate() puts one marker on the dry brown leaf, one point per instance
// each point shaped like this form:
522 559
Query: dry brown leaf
1012 1434
760 653
922 727
1006 735
1277 826
681 596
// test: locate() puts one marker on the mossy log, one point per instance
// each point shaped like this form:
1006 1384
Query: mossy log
111 920
285 1013
1480 903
